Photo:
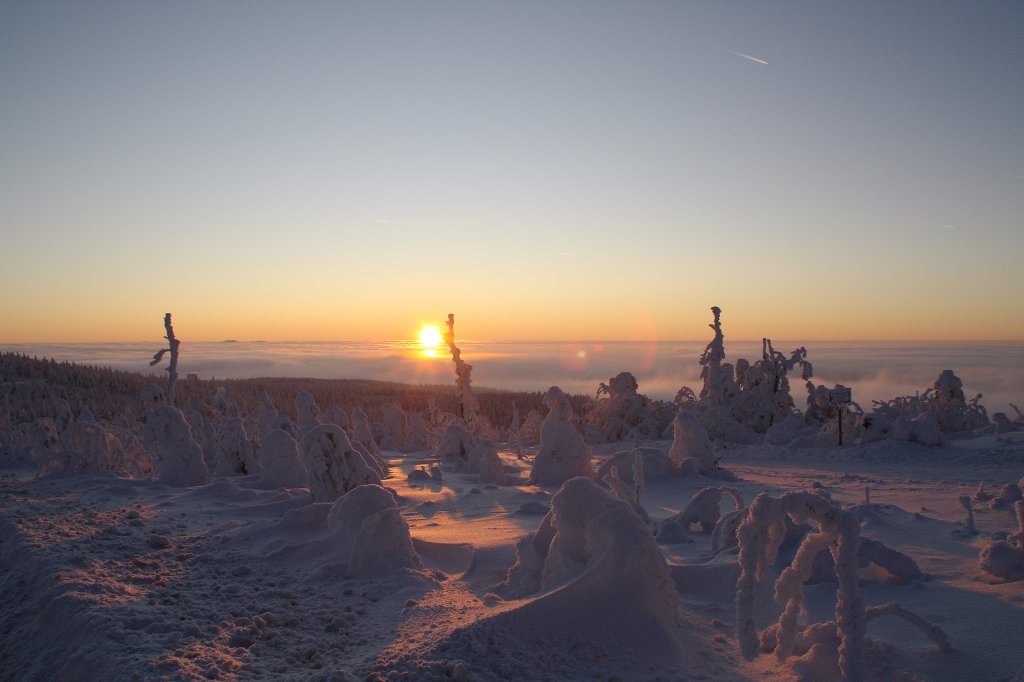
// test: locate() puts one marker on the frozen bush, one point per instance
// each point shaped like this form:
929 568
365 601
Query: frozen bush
333 466
760 535
690 441
596 542
703 509
369 533
307 410
457 449
491 468
236 452
279 457
562 453
179 459
361 432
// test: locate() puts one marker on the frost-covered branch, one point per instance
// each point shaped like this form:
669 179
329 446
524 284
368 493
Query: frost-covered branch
760 535
933 632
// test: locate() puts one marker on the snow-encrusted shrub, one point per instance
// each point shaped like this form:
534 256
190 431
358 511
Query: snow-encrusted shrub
86 448
738 405
529 432
691 442
562 453
268 415
703 509
279 458
1005 558
223 405
333 466
418 437
306 410
362 434
590 532
656 464
394 427
179 458
236 452
491 469
945 401
369 533
626 413
760 535
335 415
832 650
457 449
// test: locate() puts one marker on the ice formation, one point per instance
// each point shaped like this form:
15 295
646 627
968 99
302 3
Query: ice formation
562 453
180 460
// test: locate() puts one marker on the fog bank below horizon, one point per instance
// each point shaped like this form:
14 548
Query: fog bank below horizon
876 370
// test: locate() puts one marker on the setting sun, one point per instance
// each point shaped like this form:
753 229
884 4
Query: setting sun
430 339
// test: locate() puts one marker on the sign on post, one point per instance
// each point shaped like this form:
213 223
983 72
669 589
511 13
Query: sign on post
841 396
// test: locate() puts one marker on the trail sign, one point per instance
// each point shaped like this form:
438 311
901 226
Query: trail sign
841 395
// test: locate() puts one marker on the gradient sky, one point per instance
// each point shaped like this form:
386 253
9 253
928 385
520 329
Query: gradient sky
545 170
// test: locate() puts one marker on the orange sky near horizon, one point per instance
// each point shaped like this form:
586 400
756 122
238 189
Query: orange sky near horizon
850 318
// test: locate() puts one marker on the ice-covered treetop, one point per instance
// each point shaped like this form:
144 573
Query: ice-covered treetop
715 351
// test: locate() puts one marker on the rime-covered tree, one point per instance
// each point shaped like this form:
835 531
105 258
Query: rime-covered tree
172 368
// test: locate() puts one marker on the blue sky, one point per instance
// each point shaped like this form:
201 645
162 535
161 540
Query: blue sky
347 170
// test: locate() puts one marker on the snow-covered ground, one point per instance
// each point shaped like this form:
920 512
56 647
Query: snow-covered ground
109 578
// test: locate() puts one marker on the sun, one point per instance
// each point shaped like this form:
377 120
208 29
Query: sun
430 339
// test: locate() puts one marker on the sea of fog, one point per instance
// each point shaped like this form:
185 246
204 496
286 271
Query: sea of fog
875 370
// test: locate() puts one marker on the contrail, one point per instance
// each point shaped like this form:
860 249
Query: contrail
740 54
948 227
647 25
1018 177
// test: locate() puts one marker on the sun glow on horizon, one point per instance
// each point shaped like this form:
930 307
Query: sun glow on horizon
430 339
